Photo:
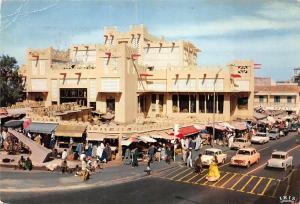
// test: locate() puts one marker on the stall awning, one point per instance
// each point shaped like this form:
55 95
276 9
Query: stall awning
14 123
96 136
146 139
70 130
240 126
189 130
161 135
44 128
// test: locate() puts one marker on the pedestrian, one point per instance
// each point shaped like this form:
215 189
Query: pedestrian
189 158
28 164
151 152
100 150
198 164
94 151
135 157
163 152
38 139
82 156
64 155
107 151
230 140
21 163
183 149
168 155
213 171
64 166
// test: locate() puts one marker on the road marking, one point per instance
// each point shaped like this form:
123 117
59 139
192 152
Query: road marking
200 179
266 162
191 178
243 188
172 172
234 185
276 188
234 175
256 185
220 179
266 187
185 176
179 173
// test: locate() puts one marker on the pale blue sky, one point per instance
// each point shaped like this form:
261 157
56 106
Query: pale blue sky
265 31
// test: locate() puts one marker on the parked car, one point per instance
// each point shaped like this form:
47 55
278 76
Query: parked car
260 138
245 157
280 159
209 156
240 143
273 134
294 127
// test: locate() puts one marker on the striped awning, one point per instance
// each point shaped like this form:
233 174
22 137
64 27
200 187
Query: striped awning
70 130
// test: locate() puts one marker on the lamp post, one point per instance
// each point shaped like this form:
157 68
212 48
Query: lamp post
214 106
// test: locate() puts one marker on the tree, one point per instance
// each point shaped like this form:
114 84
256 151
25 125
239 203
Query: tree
11 84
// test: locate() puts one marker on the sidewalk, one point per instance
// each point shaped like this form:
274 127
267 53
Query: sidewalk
294 185
41 181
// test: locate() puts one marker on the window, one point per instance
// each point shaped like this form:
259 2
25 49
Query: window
161 103
220 104
276 99
242 102
193 104
174 103
93 105
184 103
289 99
202 103
209 103
153 102
261 99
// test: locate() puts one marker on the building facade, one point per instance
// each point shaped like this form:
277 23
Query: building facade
276 96
135 74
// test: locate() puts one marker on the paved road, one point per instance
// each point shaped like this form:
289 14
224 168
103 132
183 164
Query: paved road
181 185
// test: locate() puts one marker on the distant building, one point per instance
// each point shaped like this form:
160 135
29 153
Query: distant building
134 73
296 76
276 96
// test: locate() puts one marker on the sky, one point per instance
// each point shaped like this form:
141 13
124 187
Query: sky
266 31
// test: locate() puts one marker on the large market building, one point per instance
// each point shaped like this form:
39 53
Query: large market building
135 74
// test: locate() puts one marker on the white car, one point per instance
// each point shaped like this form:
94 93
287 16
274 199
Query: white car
260 138
209 156
240 143
280 159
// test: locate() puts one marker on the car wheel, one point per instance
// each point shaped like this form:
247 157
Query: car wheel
257 161
248 165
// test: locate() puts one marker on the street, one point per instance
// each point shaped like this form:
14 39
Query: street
180 184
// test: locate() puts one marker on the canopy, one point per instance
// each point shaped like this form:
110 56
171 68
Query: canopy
217 126
186 131
128 141
146 139
44 128
13 123
240 126
199 126
70 130
96 136
161 135
26 123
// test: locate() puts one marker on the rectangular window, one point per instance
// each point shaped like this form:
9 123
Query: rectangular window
261 99
209 103
276 99
242 102
161 103
93 105
220 104
174 103
184 103
153 102
289 99
193 104
202 103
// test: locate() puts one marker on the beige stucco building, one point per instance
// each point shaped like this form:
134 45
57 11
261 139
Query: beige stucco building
276 96
134 74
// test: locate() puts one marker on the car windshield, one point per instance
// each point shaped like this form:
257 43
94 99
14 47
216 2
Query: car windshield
243 152
208 152
273 131
261 135
239 140
277 156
